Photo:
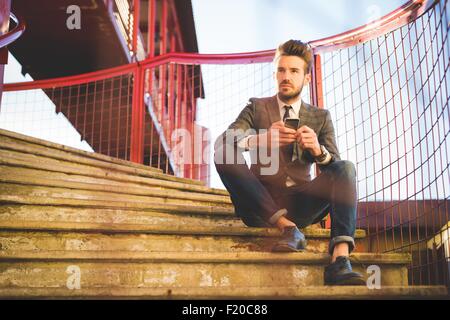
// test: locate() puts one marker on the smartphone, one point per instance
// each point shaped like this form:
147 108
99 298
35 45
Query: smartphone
292 123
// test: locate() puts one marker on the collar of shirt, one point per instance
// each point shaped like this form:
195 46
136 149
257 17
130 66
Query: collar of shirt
292 113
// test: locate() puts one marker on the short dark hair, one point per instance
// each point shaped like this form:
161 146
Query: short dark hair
296 48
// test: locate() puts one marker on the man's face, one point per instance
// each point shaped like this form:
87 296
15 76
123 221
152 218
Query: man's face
290 75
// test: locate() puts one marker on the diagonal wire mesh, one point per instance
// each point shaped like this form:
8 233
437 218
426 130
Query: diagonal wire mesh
389 99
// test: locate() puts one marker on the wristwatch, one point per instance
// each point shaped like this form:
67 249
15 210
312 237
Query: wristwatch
323 155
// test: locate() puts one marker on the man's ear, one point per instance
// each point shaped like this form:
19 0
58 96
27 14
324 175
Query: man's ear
307 79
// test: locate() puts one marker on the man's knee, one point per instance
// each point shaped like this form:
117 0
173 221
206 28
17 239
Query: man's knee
344 168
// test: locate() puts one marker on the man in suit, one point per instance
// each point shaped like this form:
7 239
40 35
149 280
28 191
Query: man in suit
287 197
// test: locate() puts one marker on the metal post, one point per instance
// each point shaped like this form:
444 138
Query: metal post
137 118
317 100
5 7
151 28
136 9
316 82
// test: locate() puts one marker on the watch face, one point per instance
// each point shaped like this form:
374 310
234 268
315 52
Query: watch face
323 156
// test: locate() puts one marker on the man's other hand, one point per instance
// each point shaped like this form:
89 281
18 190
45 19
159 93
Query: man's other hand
307 140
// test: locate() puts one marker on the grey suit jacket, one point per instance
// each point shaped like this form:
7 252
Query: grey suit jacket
260 113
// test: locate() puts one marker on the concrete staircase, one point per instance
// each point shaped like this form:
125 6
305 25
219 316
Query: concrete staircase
84 225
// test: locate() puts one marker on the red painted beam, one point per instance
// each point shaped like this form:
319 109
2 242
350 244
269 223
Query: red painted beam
151 28
6 37
316 82
136 15
137 118
72 80
5 7
176 30
163 29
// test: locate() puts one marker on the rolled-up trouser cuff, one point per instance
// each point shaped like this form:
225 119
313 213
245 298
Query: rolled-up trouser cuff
273 219
340 239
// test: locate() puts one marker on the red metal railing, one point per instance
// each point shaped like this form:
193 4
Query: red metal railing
386 85
14 34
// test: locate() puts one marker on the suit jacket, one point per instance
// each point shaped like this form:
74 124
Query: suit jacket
260 113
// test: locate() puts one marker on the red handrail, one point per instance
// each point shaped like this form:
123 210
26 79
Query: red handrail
14 34
408 12
188 58
70 80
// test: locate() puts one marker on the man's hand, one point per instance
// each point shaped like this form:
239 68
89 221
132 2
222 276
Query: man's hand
277 136
307 140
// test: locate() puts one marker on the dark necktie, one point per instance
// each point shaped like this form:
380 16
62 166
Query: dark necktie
286 112
287 150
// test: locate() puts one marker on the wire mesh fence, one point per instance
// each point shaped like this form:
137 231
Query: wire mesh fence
389 99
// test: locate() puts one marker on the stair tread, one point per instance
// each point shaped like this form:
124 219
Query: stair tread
63 218
223 292
39 243
25 194
42 148
14 215
182 230
42 178
107 171
224 257
21 138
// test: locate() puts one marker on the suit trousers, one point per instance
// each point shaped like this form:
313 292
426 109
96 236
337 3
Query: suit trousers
261 205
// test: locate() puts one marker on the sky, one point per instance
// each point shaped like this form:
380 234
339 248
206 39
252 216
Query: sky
263 24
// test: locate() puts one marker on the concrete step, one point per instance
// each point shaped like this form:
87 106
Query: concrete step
35 177
230 233
41 195
58 217
44 244
38 149
27 144
117 269
233 293
108 172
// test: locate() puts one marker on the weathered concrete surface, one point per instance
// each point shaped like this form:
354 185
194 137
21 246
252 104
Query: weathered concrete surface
185 270
27 144
231 239
36 151
229 293
25 194
16 158
35 177
14 216
40 216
